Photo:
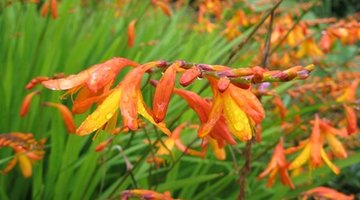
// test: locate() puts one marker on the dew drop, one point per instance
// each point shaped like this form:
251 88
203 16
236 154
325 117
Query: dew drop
108 116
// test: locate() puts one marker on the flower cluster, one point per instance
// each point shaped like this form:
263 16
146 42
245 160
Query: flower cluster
232 113
27 151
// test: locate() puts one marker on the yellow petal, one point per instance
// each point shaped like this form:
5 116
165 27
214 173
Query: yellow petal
166 148
144 112
214 116
219 153
236 119
102 114
25 165
331 165
301 159
336 146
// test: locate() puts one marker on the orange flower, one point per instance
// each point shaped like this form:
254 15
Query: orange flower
163 6
219 132
326 193
145 194
240 107
65 114
308 47
277 165
93 84
313 151
53 5
26 103
27 151
163 92
131 33
128 97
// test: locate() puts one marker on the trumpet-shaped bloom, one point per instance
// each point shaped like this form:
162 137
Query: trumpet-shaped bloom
278 165
27 151
313 151
240 108
128 97
93 84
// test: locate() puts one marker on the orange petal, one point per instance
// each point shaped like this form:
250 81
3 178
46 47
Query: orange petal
102 114
25 165
164 7
131 33
129 98
44 9
66 116
144 111
163 92
26 103
248 102
53 5
106 72
71 81
11 164
35 81
351 120
198 104
214 116
316 143
103 145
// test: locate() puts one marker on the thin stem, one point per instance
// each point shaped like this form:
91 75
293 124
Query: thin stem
236 49
247 151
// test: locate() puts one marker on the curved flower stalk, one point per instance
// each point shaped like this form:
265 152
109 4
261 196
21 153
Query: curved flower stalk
278 165
27 151
234 107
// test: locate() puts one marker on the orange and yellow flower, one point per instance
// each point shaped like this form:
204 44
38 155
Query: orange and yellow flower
240 108
27 151
313 148
278 165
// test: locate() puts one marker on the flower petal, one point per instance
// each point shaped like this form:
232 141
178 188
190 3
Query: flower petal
102 114
25 165
26 103
65 114
336 146
144 111
163 92
326 159
302 158
107 72
236 118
